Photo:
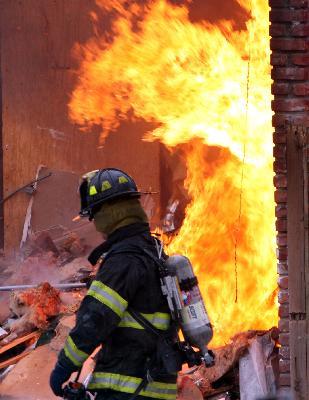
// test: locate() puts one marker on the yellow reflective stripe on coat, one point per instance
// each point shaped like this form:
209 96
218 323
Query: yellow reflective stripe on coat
108 296
128 384
73 353
159 320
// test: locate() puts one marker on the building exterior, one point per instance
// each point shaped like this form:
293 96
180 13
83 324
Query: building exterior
289 32
37 74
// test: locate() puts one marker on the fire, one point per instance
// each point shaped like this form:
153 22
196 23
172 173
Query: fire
205 87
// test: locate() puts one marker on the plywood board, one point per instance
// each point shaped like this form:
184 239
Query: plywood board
298 259
39 72
16 342
299 366
296 233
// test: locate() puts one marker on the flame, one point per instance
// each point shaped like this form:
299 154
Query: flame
206 87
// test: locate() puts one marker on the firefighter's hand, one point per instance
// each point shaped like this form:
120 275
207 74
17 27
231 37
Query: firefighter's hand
57 379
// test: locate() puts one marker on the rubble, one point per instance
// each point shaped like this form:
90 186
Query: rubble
223 378
257 369
62 260
29 378
33 307
8 351
40 243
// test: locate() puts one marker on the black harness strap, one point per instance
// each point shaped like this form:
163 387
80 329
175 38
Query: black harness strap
148 326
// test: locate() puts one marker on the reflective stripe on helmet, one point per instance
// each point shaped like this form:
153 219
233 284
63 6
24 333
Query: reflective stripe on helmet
92 190
104 185
108 296
73 353
159 320
128 384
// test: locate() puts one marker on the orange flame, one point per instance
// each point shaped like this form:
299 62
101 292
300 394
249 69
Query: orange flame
207 86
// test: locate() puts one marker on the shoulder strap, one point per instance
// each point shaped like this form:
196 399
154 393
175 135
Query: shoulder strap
122 248
144 322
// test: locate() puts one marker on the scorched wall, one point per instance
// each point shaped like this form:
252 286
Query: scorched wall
38 75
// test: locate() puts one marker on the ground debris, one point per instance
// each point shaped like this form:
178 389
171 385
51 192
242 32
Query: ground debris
221 380
33 307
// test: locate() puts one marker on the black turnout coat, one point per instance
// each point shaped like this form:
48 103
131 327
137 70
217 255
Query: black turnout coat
126 277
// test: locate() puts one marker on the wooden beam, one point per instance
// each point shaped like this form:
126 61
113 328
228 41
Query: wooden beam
298 355
14 360
296 234
298 258
31 336
305 139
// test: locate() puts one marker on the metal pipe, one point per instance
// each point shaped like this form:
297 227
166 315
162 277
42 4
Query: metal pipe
76 285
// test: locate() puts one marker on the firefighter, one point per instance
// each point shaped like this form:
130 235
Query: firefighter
126 279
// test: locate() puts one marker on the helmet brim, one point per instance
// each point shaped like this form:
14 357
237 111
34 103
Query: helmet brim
88 212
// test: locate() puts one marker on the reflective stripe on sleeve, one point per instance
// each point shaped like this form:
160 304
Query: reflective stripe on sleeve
73 353
128 384
159 320
108 296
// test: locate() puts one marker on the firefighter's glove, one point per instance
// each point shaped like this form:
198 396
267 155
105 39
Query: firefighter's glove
57 379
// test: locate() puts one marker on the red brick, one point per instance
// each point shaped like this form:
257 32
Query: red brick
299 3
280 88
277 3
279 151
278 59
284 380
301 89
285 15
289 73
283 311
282 268
284 339
280 165
300 119
300 30
282 239
300 59
283 282
284 325
284 366
280 181
280 119
290 105
284 352
282 255
288 44
281 211
281 225
279 136
281 196
278 30
283 298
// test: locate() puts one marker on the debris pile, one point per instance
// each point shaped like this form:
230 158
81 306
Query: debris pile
29 316
33 307
246 368
41 318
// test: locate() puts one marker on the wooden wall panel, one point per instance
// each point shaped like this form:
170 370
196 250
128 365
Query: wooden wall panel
297 145
38 74
296 232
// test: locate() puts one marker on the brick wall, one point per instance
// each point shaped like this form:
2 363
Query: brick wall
289 32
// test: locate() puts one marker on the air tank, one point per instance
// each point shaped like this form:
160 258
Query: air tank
194 320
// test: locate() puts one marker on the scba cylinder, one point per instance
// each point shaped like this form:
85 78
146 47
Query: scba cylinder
195 323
